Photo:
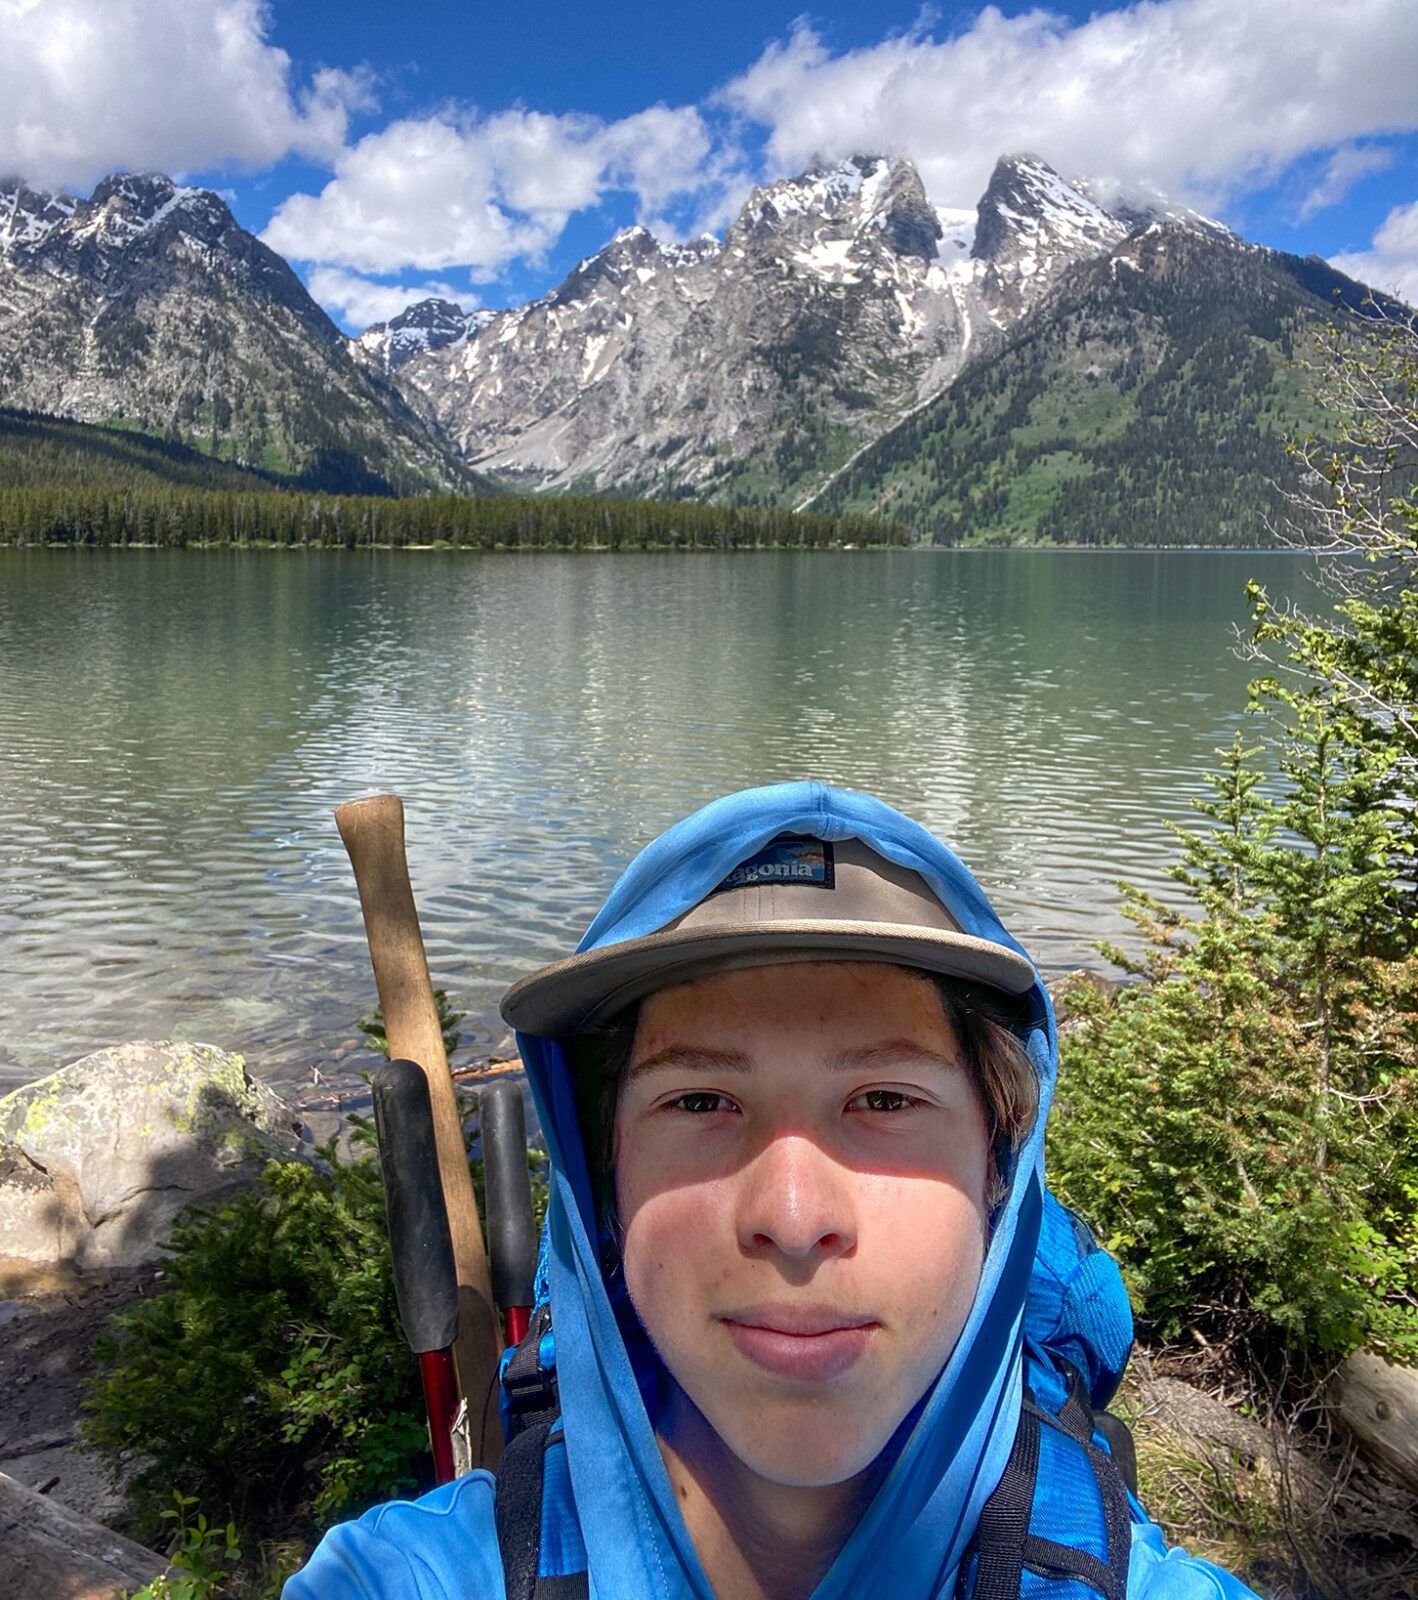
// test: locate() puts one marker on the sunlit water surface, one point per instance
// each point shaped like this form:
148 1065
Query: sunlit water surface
177 728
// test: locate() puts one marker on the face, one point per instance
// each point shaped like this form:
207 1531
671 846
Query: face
801 1157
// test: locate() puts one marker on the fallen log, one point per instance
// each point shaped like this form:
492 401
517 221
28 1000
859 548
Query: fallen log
48 1552
1378 1404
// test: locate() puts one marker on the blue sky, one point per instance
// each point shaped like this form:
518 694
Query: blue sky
480 150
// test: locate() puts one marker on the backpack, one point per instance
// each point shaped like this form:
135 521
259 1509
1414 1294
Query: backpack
1057 1527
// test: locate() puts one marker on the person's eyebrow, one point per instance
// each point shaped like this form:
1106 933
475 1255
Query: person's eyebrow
893 1051
690 1058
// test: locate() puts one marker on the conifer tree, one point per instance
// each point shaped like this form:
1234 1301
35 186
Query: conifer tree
1242 1122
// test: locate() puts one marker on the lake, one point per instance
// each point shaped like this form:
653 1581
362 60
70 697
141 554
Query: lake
178 727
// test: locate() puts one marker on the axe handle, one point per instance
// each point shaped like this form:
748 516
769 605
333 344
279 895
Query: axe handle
373 831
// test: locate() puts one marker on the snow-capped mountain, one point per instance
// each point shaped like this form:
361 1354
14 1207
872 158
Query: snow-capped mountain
838 303
431 324
149 303
847 344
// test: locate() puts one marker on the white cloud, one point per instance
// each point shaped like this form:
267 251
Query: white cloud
1391 262
356 302
92 86
1202 99
460 189
1346 166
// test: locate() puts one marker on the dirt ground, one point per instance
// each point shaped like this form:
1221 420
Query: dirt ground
48 1323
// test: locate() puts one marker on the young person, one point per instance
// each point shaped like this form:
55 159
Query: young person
810 1323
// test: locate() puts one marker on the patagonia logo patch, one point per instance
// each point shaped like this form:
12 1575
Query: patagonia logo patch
791 859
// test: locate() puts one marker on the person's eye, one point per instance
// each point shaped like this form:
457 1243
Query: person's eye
701 1102
885 1100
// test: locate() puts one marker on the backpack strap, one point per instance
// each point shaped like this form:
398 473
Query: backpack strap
533 1488
1022 1530
528 1377
538 1536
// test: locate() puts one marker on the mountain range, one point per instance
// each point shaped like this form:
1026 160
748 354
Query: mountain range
1060 362
146 305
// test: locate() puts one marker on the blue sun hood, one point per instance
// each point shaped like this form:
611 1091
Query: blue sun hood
912 1536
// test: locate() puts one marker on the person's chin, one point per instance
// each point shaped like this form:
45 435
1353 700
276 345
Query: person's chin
800 1446
796 1462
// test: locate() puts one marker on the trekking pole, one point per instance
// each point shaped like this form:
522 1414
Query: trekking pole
507 1185
425 1278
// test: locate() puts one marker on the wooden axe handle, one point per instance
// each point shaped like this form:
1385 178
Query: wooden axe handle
373 831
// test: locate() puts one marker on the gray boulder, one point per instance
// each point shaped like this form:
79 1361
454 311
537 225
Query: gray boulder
97 1159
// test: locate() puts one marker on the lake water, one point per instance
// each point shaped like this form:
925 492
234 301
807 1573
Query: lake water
177 728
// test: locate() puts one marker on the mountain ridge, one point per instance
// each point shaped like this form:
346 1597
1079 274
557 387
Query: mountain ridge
756 369
796 362
148 305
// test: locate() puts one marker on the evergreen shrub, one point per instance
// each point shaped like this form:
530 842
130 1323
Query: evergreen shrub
1241 1123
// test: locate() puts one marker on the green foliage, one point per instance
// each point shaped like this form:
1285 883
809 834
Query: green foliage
372 1027
194 1571
66 483
1243 1122
39 452
274 1374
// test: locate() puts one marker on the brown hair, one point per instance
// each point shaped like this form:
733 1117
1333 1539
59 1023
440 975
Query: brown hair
981 1021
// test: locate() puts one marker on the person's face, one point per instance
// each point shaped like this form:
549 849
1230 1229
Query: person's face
801 1158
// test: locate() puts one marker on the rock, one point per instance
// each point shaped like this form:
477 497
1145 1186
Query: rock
48 1552
1179 1407
97 1159
1064 985
1378 1404
71 1476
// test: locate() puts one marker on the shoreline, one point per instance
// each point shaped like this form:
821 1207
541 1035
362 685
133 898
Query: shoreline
448 547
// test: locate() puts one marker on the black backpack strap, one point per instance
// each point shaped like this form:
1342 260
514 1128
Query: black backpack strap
1003 1529
533 1428
1005 1545
520 1476
1120 1445
519 1510
529 1386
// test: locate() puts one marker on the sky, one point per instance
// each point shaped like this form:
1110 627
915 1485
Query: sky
477 151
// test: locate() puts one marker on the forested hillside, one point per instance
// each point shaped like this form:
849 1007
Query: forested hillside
178 517
41 452
1148 401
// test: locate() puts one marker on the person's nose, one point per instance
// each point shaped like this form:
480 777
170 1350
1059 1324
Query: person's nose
796 1202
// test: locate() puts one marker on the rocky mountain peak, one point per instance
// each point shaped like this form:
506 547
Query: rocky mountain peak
1030 217
127 206
844 193
431 324
149 301
906 217
632 250
125 209
28 216
142 194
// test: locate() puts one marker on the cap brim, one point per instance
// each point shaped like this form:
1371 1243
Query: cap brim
586 990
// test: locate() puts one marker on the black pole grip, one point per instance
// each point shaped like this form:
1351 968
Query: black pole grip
511 1228
425 1279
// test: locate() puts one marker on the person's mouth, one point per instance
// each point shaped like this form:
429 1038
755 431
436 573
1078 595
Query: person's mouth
800 1344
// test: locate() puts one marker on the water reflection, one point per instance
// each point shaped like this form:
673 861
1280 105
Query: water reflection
178 727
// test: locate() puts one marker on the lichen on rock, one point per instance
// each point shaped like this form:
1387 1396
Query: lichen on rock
97 1159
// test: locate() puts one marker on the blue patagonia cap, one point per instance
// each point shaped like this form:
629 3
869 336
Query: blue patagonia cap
798 899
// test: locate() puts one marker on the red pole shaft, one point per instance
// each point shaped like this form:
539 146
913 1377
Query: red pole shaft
515 1320
440 1397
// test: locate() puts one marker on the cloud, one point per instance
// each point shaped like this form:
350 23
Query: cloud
459 189
93 86
1346 166
356 302
1391 262
1202 99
